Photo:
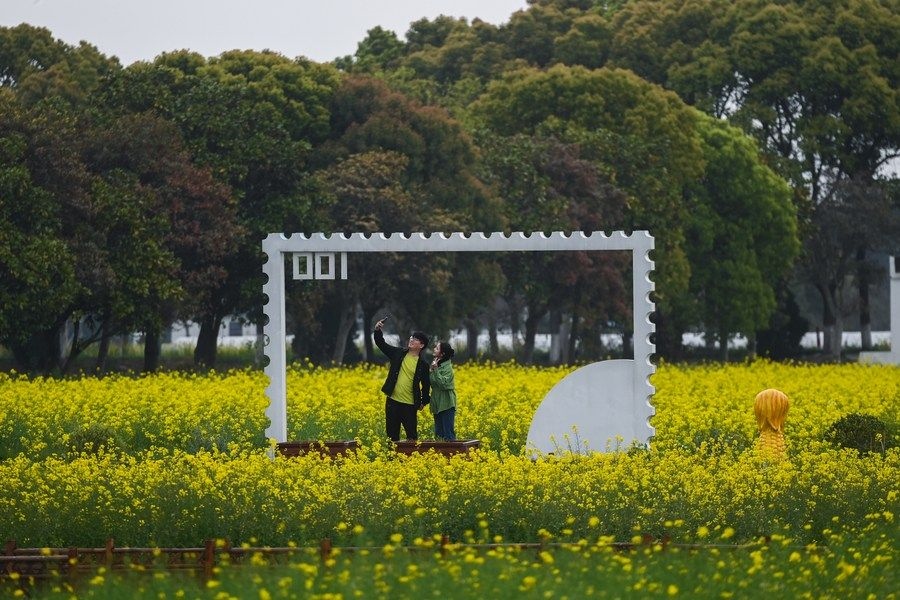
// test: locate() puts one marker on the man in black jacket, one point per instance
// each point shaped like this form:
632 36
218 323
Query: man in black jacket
408 384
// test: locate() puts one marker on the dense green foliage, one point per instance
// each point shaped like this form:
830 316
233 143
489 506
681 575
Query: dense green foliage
863 433
575 114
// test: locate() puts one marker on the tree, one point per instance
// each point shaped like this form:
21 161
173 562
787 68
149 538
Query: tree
683 45
857 216
466 51
252 119
379 50
639 136
586 43
108 231
447 62
547 186
366 196
742 235
38 66
424 33
40 184
815 83
531 33
184 212
475 281
108 226
396 166
828 109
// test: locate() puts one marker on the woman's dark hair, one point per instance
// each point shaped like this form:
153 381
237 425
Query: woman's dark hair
447 351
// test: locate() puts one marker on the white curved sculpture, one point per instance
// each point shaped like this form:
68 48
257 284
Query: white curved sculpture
593 409
603 400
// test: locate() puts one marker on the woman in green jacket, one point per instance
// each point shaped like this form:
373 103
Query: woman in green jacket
443 392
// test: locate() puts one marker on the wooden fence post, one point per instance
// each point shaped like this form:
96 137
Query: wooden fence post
209 558
72 563
227 552
9 549
325 549
108 553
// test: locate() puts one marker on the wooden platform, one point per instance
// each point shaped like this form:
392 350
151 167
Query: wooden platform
330 449
441 447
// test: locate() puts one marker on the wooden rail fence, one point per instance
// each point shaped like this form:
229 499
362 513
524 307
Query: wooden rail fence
36 564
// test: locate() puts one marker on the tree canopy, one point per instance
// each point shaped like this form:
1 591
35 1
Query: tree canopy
742 134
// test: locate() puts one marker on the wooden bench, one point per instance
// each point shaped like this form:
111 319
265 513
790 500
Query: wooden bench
441 447
330 449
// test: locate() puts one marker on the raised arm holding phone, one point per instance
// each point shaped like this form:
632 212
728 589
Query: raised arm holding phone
408 386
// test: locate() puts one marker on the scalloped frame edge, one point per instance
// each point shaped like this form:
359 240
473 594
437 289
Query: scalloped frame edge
276 245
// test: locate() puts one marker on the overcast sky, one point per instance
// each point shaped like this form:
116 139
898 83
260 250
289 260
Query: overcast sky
318 29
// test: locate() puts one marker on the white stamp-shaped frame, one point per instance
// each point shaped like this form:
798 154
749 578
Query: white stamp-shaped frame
601 406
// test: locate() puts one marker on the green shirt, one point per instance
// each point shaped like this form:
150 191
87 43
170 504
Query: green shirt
443 389
403 390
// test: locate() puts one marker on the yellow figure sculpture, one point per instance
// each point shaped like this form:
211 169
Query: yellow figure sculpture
771 407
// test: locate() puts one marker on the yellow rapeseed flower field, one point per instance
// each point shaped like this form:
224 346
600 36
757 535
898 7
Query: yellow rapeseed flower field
174 459
696 404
